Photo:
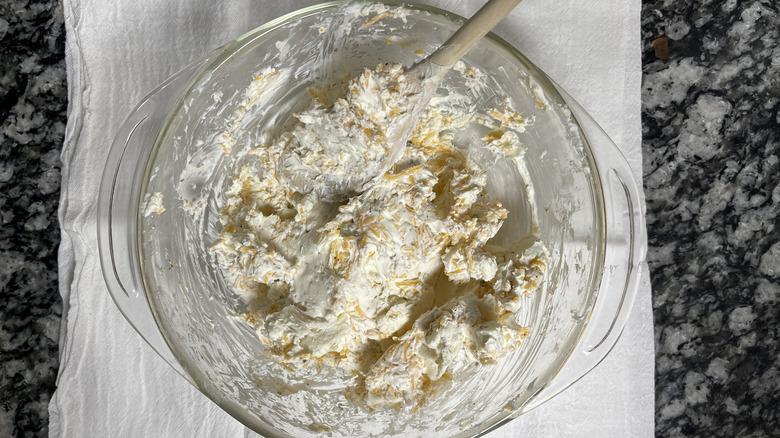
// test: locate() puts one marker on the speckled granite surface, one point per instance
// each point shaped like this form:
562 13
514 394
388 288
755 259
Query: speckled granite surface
711 123
711 120
33 103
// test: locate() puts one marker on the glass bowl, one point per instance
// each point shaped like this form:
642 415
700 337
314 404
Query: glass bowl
166 282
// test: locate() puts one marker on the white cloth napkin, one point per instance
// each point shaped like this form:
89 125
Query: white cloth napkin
111 383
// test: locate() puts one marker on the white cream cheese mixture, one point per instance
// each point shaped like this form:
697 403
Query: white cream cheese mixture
349 139
400 284
153 204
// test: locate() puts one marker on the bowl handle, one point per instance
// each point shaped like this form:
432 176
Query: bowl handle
119 200
624 257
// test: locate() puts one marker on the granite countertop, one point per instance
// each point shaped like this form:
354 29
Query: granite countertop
711 129
711 143
33 103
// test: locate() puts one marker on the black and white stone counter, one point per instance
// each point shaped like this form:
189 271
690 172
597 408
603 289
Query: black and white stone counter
711 144
33 104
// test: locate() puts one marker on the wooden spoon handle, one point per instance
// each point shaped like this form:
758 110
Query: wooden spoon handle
478 26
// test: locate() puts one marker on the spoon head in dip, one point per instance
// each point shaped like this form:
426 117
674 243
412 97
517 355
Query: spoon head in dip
335 151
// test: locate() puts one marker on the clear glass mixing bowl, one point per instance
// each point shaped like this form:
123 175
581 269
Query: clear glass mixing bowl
166 282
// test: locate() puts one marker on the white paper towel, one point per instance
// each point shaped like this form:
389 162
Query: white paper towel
111 383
